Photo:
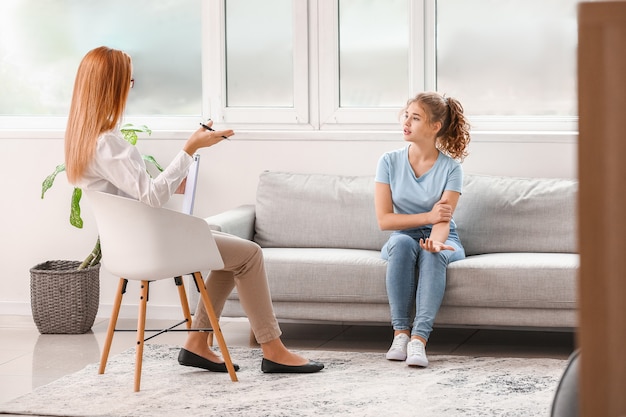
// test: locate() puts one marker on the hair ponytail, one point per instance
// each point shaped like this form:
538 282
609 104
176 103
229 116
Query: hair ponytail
456 137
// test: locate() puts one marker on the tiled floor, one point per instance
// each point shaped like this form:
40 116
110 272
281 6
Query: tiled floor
29 359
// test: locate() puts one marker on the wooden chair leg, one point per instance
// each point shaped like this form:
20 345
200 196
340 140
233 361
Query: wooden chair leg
184 302
121 289
215 325
141 327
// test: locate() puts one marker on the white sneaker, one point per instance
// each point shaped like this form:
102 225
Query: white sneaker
397 351
416 353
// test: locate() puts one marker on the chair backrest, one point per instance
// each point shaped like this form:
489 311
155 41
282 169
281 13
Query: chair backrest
146 243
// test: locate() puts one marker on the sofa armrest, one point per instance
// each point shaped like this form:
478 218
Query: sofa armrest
238 221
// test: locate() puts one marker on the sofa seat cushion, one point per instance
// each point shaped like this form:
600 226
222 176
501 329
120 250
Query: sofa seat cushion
514 280
326 275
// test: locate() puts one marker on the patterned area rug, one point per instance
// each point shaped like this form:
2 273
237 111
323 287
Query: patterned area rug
352 384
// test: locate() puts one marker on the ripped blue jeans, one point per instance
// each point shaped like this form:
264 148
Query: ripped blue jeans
416 277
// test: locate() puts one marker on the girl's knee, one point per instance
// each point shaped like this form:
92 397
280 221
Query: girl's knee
401 242
435 258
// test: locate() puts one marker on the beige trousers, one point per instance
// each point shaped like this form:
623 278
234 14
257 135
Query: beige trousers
244 268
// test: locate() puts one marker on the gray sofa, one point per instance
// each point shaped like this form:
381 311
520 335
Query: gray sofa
322 244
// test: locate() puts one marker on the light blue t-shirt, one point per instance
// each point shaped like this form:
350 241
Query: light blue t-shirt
413 195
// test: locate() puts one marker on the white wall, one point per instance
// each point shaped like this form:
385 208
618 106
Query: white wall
35 230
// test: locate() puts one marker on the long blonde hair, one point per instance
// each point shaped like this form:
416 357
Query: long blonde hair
98 102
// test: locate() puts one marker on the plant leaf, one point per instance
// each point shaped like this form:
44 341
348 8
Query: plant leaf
47 183
130 136
135 128
153 161
129 131
75 219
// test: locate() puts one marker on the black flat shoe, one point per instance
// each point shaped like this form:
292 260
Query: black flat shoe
269 367
187 358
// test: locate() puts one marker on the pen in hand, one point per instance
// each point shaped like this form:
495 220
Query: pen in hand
211 129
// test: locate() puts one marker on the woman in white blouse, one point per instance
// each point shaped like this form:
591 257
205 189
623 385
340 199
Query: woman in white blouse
98 158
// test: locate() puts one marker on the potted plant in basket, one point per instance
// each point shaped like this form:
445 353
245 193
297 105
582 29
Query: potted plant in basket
65 294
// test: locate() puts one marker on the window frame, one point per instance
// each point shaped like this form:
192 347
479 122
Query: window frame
214 72
332 116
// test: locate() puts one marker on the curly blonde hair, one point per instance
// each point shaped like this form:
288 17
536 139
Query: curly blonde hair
453 138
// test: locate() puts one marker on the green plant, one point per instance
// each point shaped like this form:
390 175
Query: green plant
130 133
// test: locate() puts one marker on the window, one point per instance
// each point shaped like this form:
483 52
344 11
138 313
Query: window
513 59
369 66
41 44
300 66
510 62
259 53
257 62
373 64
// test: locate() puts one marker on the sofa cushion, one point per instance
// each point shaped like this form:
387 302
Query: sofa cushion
508 214
544 281
513 280
325 275
316 211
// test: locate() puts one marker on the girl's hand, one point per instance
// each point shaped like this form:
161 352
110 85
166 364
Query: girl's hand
434 246
441 212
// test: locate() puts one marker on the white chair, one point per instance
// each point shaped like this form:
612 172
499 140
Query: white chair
147 244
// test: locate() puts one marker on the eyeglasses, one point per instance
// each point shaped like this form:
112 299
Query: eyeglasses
132 82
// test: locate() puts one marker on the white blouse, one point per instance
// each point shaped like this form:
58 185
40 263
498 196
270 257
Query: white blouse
118 168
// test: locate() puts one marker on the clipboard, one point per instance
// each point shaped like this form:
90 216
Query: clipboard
190 188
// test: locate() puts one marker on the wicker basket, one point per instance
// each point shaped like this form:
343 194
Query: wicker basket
64 299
